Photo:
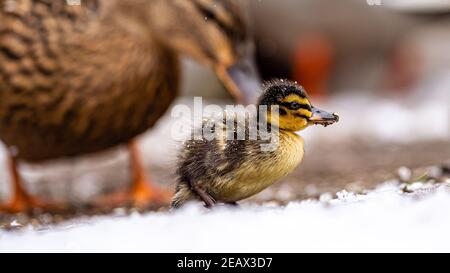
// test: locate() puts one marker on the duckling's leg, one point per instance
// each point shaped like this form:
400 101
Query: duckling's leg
204 196
22 201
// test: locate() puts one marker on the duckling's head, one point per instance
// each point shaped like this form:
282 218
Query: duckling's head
295 109
213 32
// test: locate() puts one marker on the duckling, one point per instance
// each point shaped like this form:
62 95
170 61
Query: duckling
223 169
79 79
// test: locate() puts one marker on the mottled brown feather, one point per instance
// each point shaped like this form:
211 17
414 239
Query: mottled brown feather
78 79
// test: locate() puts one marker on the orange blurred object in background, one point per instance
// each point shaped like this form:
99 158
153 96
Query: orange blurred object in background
313 63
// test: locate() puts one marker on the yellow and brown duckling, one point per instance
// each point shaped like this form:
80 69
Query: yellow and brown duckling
78 79
224 169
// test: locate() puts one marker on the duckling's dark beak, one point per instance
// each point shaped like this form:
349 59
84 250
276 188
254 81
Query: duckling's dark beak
322 117
241 80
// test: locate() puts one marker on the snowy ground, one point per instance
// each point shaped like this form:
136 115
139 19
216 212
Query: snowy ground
385 219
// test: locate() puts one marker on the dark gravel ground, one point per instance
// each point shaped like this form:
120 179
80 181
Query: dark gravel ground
355 166
362 165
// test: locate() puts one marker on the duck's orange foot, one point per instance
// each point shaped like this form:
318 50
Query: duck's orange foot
23 203
143 195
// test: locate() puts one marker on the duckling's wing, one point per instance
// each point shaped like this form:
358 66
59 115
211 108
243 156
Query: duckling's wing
217 149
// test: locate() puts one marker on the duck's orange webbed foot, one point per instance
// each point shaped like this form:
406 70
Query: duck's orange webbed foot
142 194
21 201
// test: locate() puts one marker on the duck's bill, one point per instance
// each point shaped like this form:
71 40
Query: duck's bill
322 117
241 80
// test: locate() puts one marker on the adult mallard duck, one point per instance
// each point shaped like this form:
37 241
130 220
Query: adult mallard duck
78 78
220 166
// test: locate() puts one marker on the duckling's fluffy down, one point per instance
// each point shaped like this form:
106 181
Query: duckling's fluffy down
232 170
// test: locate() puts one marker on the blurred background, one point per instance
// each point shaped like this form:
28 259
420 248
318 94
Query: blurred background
383 65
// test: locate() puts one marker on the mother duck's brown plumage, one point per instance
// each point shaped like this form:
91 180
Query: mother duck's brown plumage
77 79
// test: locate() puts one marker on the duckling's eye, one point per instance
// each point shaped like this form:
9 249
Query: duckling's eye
295 105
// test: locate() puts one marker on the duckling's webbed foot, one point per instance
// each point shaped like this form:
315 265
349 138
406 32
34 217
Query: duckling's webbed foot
204 195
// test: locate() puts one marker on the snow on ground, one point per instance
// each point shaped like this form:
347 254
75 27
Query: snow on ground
382 220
